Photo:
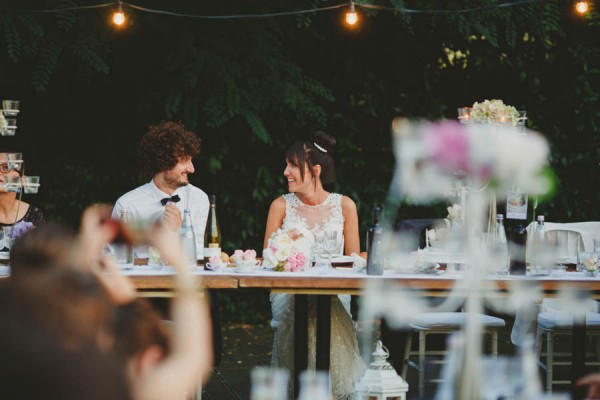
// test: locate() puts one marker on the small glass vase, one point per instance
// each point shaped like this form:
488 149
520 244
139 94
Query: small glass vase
591 273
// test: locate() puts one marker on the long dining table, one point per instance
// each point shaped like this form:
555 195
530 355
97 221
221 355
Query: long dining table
347 281
153 282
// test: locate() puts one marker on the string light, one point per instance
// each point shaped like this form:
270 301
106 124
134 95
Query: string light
515 3
351 15
582 7
118 17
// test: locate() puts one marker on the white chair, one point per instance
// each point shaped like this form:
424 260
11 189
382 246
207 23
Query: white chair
442 323
553 322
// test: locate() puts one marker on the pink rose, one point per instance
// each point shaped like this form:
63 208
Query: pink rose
296 261
237 255
215 260
249 255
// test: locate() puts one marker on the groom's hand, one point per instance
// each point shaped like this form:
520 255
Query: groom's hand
172 217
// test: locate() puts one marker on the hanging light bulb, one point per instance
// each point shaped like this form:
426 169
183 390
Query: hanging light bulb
351 15
118 17
582 7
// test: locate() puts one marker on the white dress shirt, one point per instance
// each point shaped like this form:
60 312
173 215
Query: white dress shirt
143 203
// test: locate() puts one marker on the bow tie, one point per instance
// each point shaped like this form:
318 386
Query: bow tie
174 199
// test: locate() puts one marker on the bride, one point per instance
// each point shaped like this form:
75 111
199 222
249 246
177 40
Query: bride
309 165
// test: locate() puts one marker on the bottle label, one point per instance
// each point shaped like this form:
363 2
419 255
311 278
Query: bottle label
212 251
516 205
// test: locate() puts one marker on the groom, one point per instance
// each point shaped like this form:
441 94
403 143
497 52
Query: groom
166 152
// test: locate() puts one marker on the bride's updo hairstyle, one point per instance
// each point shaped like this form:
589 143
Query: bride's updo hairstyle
317 151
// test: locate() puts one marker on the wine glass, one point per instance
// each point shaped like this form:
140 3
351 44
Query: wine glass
330 246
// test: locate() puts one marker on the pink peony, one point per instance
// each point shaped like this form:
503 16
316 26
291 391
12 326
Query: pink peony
249 255
448 145
237 255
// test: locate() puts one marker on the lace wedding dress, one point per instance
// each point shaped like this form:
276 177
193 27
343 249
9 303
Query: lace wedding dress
345 362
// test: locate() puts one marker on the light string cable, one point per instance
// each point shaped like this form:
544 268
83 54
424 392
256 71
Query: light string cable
277 14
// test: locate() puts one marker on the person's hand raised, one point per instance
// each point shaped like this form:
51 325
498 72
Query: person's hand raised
172 217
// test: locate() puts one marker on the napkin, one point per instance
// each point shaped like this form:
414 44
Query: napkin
359 262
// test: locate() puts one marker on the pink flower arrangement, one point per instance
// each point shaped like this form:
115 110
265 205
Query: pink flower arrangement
240 255
288 250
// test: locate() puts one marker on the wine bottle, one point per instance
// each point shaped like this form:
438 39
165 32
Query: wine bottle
517 247
374 251
188 238
212 233
373 228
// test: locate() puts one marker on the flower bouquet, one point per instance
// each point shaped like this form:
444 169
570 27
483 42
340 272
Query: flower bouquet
591 265
494 111
288 250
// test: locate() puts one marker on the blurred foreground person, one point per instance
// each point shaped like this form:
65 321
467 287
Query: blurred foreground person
81 304
593 381
55 333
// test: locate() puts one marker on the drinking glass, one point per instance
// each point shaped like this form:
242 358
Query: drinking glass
14 160
12 183
522 118
317 248
31 184
269 383
597 245
10 107
314 385
582 256
330 246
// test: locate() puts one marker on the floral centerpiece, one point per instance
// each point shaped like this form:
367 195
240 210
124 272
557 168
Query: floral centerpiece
289 250
591 265
494 111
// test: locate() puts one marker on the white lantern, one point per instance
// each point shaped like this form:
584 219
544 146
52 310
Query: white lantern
380 381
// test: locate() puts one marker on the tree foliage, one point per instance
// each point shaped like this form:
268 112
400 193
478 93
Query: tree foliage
251 87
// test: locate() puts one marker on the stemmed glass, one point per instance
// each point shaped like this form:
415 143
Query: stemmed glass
330 246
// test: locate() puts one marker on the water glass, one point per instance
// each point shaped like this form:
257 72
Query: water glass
10 107
582 256
522 118
14 160
31 184
597 245
269 383
123 253
12 183
314 385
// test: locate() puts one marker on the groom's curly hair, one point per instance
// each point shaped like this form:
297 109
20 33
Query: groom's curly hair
164 145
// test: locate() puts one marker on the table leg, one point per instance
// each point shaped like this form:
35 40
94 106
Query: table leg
323 332
300 338
578 361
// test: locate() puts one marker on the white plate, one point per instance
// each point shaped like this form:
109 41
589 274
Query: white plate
4 255
342 259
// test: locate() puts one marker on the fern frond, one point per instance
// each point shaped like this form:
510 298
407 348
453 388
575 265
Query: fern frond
44 68
13 40
85 53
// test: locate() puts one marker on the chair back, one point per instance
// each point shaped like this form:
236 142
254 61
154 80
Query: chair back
568 244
